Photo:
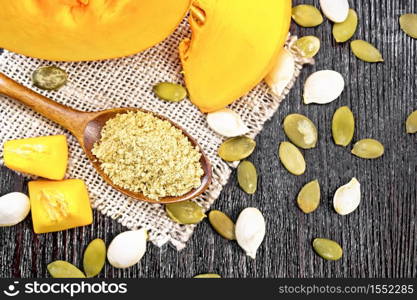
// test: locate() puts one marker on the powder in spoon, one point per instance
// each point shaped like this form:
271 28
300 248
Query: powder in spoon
142 153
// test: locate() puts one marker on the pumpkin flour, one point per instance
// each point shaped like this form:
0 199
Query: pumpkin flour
142 153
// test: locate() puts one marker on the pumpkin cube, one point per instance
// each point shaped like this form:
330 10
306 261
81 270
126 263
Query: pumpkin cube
45 156
59 205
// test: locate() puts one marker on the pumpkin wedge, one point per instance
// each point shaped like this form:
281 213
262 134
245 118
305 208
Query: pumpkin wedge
78 30
234 45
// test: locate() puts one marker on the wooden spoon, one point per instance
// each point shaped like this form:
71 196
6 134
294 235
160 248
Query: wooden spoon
86 127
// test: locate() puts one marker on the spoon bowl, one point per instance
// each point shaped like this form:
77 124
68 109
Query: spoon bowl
87 126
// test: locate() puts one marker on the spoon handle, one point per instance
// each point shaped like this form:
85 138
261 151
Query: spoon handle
71 119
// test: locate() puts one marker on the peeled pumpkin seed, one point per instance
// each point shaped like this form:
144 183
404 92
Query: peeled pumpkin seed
300 130
94 257
306 15
343 126
281 73
49 78
347 197
247 177
236 148
209 275
323 87
63 269
411 123
327 249
292 158
366 51
169 91
335 10
368 148
309 197
408 24
185 212
222 224
226 123
308 45
345 30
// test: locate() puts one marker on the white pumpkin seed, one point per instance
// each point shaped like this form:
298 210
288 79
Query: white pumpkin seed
282 73
127 248
347 197
335 10
323 87
14 207
250 230
226 123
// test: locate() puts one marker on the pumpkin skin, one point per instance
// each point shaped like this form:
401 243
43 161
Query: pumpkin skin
80 30
234 45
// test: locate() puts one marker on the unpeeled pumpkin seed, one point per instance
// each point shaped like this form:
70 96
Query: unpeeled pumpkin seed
49 78
300 130
63 269
281 73
306 15
250 230
345 30
408 24
247 177
236 148
327 249
169 91
308 45
411 123
343 126
335 10
347 197
222 224
323 87
309 197
292 158
227 123
209 275
185 212
368 148
366 51
94 257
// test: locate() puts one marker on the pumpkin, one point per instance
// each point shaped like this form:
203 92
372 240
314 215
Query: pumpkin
78 30
234 45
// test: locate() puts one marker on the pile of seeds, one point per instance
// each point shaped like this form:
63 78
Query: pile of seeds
142 153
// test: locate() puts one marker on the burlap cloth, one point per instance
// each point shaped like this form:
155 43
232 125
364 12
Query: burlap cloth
127 82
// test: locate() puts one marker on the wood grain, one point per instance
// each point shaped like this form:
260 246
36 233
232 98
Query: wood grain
379 239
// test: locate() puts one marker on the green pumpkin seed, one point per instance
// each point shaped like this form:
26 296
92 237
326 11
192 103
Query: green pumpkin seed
343 126
301 131
63 269
366 51
309 197
170 91
247 177
236 148
94 257
368 148
411 123
345 30
210 275
306 15
308 45
49 78
292 158
408 24
222 224
327 249
185 212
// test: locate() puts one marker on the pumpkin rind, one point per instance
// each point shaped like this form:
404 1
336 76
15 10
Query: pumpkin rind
79 30
234 45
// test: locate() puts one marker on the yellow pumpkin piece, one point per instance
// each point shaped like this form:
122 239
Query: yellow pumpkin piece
234 45
76 30
45 156
59 205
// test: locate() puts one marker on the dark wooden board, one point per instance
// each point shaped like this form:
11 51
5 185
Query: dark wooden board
379 239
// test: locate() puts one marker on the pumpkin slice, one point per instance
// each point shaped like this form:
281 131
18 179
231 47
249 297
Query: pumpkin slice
77 30
234 45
